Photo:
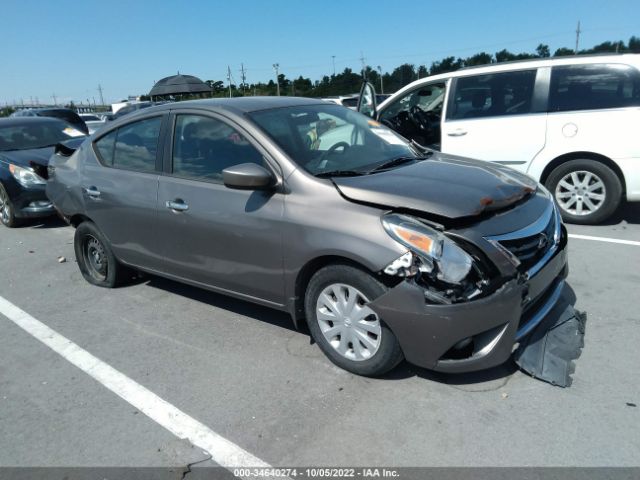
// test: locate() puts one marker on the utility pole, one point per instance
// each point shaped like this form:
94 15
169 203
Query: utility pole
364 72
577 38
55 100
101 97
229 79
381 86
243 75
333 60
276 66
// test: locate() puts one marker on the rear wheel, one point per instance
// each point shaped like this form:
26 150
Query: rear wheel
587 191
345 328
95 258
7 211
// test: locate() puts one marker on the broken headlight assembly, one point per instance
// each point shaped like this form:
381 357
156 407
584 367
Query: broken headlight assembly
446 271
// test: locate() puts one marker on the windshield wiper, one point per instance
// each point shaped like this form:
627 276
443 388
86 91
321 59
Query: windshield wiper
394 162
339 173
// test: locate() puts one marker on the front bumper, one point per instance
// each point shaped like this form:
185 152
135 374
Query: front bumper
427 333
29 202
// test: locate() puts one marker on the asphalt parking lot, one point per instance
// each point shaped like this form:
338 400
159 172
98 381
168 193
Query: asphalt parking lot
244 373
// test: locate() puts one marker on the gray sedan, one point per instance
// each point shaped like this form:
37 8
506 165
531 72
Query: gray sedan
386 249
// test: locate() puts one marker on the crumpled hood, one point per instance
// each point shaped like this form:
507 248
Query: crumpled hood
443 185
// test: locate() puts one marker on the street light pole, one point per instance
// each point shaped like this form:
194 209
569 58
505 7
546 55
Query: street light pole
276 66
381 86
333 60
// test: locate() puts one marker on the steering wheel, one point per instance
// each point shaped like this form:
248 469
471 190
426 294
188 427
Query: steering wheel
314 164
420 118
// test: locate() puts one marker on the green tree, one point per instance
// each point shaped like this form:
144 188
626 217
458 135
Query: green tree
563 52
543 51
482 58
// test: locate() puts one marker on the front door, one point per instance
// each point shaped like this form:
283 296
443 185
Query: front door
496 117
217 236
417 115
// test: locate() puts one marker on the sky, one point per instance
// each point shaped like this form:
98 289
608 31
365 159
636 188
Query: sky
68 48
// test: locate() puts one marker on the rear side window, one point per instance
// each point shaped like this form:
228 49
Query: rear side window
106 147
204 146
132 147
590 87
493 95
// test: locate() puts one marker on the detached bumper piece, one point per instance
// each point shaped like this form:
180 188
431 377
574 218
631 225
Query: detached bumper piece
548 353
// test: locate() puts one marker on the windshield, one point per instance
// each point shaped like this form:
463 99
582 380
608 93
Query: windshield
331 138
35 135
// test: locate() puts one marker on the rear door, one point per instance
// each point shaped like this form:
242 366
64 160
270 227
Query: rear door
216 236
121 190
498 116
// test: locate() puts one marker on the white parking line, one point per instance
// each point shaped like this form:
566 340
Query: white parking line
604 239
222 451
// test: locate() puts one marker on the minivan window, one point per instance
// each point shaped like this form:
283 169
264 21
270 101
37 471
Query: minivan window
496 94
203 147
589 87
136 145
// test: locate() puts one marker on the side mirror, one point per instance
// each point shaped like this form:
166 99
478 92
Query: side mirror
367 100
248 176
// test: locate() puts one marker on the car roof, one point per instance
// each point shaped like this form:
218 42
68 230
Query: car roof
630 58
18 121
239 105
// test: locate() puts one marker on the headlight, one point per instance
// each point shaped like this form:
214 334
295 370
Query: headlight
25 176
436 253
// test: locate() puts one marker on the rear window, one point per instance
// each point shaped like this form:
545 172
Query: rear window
591 87
493 95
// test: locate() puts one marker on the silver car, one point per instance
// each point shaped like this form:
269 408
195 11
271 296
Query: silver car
387 250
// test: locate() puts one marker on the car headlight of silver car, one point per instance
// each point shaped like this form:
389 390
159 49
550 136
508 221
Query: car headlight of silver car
435 253
25 176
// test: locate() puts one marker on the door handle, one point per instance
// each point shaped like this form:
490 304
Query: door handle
177 205
457 133
92 191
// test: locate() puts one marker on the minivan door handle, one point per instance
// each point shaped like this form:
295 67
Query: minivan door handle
92 191
457 133
177 205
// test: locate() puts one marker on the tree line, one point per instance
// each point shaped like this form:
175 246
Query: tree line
349 81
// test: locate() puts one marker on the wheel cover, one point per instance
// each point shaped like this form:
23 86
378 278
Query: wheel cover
5 207
580 193
347 323
95 258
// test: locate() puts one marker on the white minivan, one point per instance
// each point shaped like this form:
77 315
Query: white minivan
572 123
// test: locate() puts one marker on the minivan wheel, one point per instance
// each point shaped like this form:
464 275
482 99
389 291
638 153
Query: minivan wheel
7 215
350 333
95 258
586 191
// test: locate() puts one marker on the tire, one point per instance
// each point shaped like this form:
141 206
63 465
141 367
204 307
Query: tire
586 183
95 258
374 355
7 210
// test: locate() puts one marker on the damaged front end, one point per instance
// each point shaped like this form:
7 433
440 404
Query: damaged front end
454 310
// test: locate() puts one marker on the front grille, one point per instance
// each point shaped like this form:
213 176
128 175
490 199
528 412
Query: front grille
530 249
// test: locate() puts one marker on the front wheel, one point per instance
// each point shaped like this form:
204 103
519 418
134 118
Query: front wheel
7 212
345 328
587 191
95 258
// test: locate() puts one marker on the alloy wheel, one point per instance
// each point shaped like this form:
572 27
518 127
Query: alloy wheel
5 206
347 323
580 192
